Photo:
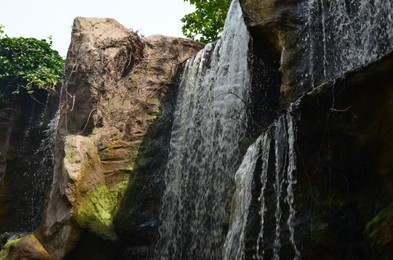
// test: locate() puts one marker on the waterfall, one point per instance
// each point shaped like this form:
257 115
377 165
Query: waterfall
30 167
209 122
234 243
265 164
284 135
279 138
342 35
43 172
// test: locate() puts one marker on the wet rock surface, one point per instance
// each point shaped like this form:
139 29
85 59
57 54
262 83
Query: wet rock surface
344 179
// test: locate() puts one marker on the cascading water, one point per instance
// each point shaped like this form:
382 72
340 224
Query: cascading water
265 164
342 35
30 167
234 243
283 133
280 138
44 168
209 122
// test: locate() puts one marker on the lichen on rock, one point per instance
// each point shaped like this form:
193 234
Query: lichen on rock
27 247
98 211
379 231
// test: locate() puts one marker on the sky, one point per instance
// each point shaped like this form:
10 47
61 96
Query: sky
43 18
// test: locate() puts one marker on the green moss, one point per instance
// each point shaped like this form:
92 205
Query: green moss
335 200
98 212
155 114
6 248
375 229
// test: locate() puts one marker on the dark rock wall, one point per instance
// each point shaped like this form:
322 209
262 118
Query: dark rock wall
344 138
28 163
319 40
343 194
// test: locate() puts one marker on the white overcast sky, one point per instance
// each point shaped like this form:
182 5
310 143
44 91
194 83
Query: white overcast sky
44 18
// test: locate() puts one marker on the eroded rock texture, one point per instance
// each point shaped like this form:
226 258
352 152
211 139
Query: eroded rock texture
319 40
115 85
343 188
348 171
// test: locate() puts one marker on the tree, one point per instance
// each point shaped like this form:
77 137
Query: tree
207 22
26 65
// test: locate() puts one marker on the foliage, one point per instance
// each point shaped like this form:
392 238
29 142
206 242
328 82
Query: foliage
27 64
207 22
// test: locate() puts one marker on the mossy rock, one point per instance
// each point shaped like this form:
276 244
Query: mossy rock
379 231
5 250
27 247
97 212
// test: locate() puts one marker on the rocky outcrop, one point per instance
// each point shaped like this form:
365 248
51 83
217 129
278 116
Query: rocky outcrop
115 84
348 172
343 189
278 25
27 247
317 41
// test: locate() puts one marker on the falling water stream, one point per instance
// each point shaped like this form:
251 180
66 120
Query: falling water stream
43 170
282 135
342 35
29 170
209 122
234 243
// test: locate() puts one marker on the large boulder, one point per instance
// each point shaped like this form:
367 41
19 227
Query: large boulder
115 84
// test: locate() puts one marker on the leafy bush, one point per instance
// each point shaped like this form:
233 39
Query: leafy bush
207 22
26 65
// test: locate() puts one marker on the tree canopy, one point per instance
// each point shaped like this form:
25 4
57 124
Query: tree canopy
207 22
27 64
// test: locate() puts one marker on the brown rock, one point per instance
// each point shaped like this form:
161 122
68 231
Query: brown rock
280 24
28 248
115 82
379 232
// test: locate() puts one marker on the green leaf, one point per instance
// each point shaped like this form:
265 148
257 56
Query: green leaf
28 63
207 22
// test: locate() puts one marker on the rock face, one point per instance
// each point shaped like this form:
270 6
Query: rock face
344 179
114 87
317 183
25 161
8 118
319 40
27 248
339 204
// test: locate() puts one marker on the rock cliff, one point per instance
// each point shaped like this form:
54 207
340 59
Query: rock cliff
342 185
114 88
317 41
